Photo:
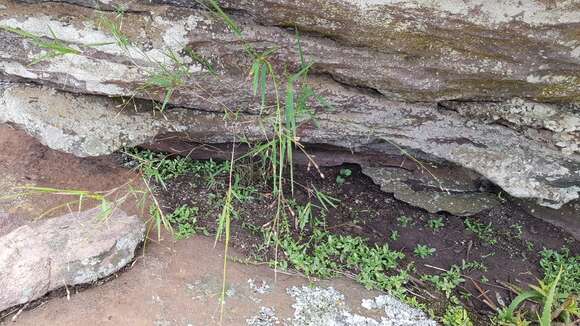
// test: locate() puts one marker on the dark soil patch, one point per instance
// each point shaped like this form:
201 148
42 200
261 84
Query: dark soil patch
366 211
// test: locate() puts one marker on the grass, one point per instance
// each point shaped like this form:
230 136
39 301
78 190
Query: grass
484 232
107 201
54 48
115 28
167 77
556 307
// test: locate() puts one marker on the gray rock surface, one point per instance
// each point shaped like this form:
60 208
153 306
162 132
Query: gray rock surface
434 194
73 249
489 86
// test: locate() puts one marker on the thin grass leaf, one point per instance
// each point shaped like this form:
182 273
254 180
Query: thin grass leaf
546 319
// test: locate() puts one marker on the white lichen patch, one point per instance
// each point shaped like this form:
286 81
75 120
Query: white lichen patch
319 306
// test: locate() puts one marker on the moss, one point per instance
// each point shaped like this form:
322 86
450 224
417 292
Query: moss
569 89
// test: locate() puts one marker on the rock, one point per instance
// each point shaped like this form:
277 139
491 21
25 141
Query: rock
69 250
418 58
434 194
566 218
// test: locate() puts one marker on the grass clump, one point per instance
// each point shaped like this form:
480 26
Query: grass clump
552 307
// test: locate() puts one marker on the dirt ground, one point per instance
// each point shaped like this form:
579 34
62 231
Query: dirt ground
178 282
172 283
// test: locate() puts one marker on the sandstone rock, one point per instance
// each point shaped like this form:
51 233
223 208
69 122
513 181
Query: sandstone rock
387 67
434 194
73 249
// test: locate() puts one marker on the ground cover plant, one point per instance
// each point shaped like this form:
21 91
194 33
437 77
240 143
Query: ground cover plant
467 280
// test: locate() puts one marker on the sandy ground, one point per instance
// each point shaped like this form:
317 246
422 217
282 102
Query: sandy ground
170 283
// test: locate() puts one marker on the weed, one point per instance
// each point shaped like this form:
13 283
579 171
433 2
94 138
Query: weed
551 263
160 167
185 218
404 221
436 224
327 254
518 230
343 175
456 316
484 232
424 251
555 307
530 245
394 235
447 281
473 265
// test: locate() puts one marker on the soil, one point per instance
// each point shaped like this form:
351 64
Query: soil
365 211
177 282
170 283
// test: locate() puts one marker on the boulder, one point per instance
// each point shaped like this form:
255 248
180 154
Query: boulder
488 86
69 250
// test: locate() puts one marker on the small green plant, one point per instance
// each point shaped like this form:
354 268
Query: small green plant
555 307
436 224
394 235
456 315
404 221
553 261
343 175
530 245
473 265
518 230
484 232
160 167
185 220
424 251
447 281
